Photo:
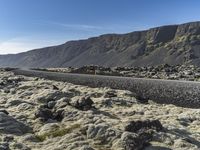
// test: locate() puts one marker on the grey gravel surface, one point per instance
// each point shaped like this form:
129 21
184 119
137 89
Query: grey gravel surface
180 93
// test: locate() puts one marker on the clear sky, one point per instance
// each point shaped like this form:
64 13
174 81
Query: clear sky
30 24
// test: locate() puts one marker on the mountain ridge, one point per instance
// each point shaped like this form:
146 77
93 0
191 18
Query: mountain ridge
171 44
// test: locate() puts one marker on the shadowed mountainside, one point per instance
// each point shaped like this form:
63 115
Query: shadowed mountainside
173 44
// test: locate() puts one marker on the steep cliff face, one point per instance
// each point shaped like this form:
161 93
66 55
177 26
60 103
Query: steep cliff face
174 44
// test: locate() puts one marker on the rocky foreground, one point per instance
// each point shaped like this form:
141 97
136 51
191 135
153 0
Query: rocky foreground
42 114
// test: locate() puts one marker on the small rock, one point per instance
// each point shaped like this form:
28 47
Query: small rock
25 106
55 87
58 115
9 125
4 146
51 104
180 143
2 83
110 94
135 126
29 138
48 128
82 103
14 102
8 138
4 111
52 95
141 100
6 90
36 79
44 114
19 146
15 79
61 103
131 141
86 147
102 132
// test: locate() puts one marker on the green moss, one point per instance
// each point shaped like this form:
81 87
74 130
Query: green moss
170 45
153 46
186 38
183 38
149 41
194 37
58 132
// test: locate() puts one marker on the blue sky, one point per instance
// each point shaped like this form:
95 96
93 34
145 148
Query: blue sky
30 24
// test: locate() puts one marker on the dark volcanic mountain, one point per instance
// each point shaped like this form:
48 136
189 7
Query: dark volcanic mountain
174 44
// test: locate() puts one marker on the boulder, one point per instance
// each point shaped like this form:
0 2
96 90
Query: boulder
4 111
82 103
9 125
131 141
8 138
52 95
51 104
136 126
55 87
4 146
101 132
110 94
44 114
61 103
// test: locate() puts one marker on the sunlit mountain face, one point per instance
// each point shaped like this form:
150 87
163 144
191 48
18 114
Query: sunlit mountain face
173 44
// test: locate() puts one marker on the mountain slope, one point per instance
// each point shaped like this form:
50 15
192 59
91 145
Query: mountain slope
174 44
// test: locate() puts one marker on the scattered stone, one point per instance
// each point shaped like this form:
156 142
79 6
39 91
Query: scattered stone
9 125
8 138
25 106
19 146
110 94
47 129
59 115
61 103
135 126
29 138
44 114
51 104
4 146
86 148
55 87
14 102
131 141
52 95
101 132
4 111
82 103
142 100
6 90
110 102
